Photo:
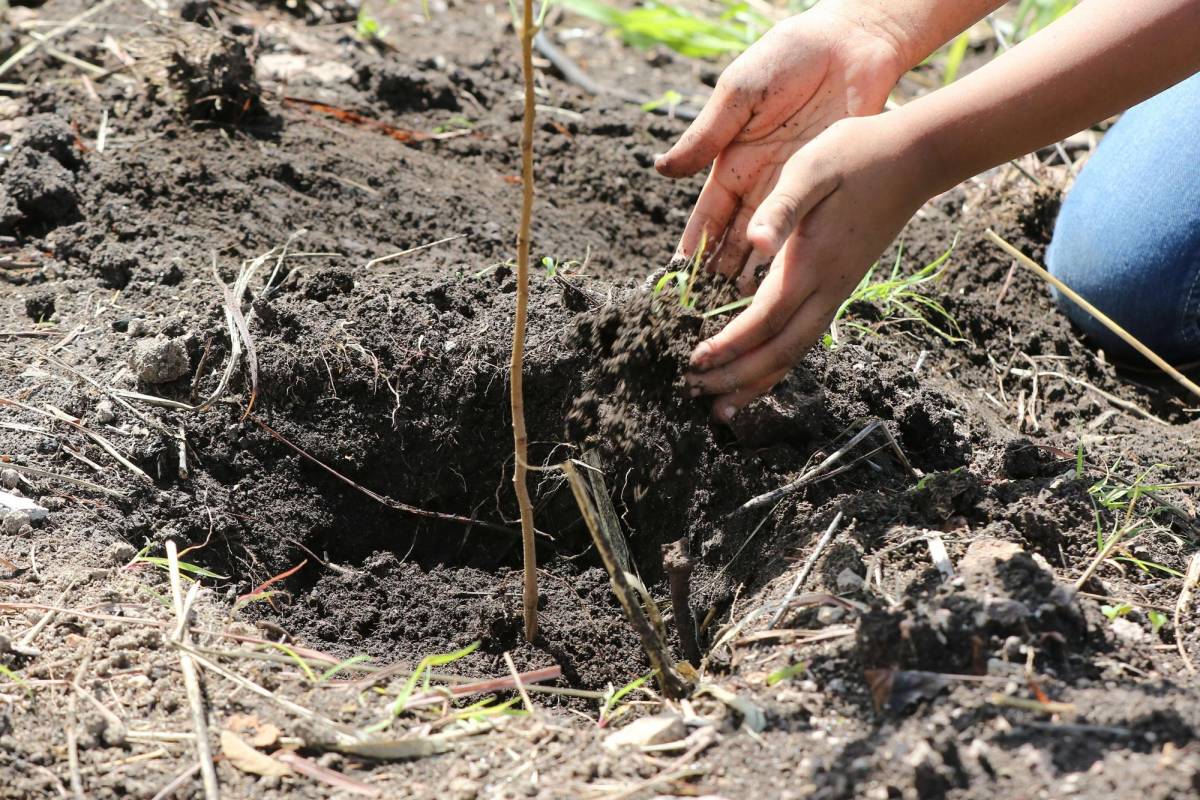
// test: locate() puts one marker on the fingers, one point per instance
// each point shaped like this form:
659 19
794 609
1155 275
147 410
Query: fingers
735 248
802 185
726 406
753 273
783 290
714 209
719 122
753 373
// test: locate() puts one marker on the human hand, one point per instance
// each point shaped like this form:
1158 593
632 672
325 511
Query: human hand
837 205
806 73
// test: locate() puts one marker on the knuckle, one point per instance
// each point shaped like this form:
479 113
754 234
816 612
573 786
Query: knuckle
783 208
719 381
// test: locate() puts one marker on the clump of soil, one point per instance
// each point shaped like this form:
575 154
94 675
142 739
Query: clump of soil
215 76
38 178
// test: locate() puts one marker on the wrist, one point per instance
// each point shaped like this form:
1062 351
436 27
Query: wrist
868 23
931 145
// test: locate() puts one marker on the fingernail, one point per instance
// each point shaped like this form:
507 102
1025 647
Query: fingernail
694 391
701 355
658 157
725 413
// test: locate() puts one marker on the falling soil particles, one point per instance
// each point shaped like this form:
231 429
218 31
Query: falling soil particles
259 296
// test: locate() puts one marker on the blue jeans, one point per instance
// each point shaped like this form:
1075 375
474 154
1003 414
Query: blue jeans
1128 236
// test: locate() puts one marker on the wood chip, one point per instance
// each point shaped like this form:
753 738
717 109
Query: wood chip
243 756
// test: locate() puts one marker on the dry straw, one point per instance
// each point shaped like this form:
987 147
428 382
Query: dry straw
1103 318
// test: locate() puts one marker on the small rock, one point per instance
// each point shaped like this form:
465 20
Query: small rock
658 729
1005 612
1013 648
29 510
463 789
10 478
849 581
160 360
983 554
330 760
830 615
40 306
270 782
104 413
120 552
1128 631
14 523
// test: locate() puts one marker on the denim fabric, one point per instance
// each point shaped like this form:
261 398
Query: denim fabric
1128 236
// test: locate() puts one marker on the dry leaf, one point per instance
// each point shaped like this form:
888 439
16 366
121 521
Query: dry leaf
247 759
259 734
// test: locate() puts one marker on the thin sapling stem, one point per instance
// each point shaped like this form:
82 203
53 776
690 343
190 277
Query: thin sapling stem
516 370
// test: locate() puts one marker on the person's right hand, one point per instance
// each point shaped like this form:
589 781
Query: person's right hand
805 74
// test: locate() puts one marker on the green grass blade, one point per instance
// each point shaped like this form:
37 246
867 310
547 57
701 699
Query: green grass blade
954 57
736 304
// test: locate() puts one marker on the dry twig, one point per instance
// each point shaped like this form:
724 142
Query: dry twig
670 682
798 583
821 469
1181 606
191 681
1099 315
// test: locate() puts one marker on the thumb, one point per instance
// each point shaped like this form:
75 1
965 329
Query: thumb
802 185
720 121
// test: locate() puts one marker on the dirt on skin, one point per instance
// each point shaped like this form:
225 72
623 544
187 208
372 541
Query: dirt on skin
270 129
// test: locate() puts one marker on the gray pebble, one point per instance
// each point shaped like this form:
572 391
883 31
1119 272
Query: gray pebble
15 522
10 478
160 360
849 581
104 413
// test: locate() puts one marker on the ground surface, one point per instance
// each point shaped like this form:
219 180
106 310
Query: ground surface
174 146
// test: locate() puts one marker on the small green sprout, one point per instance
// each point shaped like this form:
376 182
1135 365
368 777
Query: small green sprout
368 28
898 299
487 708
735 305
684 279
300 662
553 266
609 709
1115 612
790 671
12 675
164 564
456 123
1117 499
424 668
420 675
342 666
1157 620
670 99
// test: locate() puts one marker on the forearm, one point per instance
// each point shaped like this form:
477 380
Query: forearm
915 28
1098 60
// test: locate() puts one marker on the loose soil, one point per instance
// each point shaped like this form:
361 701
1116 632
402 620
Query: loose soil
237 131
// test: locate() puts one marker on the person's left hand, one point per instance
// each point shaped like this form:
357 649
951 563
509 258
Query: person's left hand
805 74
839 202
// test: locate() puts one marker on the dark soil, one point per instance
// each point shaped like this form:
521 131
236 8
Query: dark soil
268 128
